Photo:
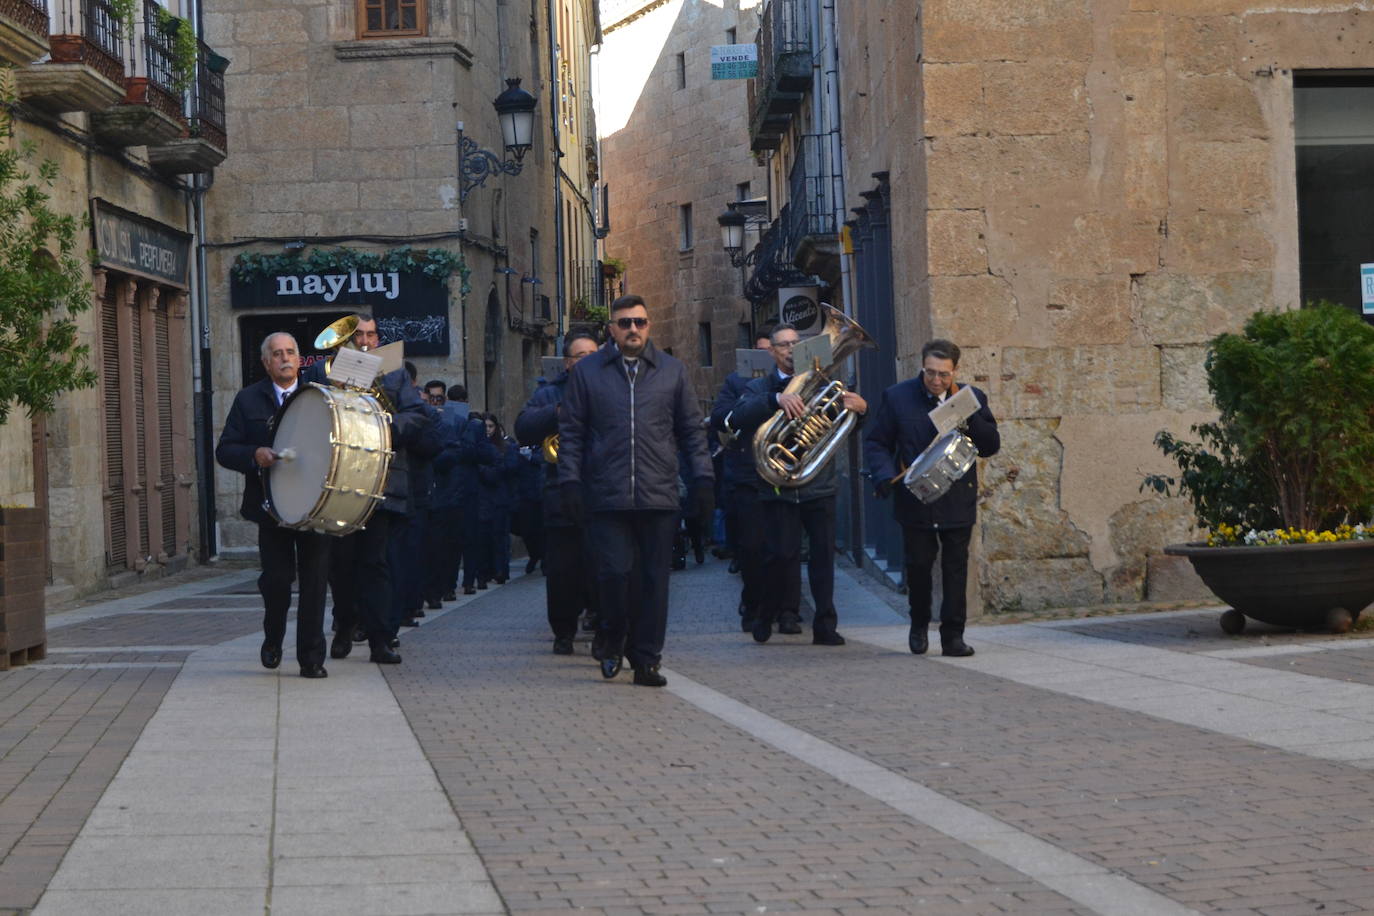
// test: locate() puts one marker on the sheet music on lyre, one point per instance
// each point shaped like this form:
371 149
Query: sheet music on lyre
955 410
355 368
753 363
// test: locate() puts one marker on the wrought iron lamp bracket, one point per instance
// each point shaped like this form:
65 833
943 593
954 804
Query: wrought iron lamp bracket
479 164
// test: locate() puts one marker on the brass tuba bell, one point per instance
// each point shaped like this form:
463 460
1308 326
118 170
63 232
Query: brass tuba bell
789 453
337 333
549 448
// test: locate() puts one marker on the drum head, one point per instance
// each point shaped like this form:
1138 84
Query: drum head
306 425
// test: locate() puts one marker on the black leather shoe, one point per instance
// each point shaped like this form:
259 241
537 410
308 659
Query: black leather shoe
359 634
918 640
649 677
481 586
410 622
956 648
469 590
313 671
610 666
339 648
419 612
789 624
562 645
450 595
762 630
529 567
383 655
393 642
433 604
827 639
500 580
270 655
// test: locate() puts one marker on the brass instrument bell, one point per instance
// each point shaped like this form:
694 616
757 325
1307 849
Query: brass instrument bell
337 333
549 448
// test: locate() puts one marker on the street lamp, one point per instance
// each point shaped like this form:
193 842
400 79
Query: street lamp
732 233
515 111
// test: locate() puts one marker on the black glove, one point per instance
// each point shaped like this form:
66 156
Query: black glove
883 489
703 500
571 492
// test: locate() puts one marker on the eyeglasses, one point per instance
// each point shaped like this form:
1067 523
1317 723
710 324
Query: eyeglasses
785 344
625 323
437 400
935 373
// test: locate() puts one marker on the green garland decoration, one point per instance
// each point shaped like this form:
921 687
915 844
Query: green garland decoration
437 263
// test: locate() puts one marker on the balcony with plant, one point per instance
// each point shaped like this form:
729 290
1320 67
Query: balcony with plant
157 70
85 68
23 31
206 143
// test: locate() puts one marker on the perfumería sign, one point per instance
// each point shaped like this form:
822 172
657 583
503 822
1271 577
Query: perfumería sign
410 306
734 62
1367 288
135 244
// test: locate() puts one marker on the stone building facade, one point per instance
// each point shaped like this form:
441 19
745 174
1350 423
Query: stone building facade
349 115
1081 195
675 149
129 124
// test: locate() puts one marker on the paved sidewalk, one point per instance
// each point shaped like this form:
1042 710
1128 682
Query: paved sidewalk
1134 764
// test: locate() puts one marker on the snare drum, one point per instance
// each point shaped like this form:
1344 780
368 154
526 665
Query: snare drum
940 466
335 449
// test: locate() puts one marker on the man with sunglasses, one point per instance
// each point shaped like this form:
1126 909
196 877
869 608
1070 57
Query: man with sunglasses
569 584
628 411
785 512
901 430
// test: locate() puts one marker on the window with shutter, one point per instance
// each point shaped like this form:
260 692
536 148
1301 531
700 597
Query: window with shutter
167 491
140 418
116 528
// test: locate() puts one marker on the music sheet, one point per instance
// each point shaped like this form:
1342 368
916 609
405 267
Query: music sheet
355 368
954 410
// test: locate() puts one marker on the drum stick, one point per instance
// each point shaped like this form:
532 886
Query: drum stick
286 454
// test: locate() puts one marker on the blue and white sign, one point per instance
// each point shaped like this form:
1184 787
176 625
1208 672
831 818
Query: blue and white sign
734 62
1367 288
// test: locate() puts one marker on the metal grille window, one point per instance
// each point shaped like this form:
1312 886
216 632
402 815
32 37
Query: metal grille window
391 18
157 50
166 484
140 419
116 535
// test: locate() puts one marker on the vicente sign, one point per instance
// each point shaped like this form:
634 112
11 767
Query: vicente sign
410 306
135 244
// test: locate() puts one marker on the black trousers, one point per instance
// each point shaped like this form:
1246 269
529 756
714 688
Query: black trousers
287 554
360 580
569 578
443 551
749 547
920 546
633 551
783 523
405 551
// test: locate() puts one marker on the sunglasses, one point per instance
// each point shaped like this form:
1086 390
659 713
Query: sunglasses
626 323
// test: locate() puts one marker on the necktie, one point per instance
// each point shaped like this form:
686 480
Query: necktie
631 370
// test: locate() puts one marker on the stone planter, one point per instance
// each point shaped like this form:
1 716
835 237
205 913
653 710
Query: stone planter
23 626
1304 586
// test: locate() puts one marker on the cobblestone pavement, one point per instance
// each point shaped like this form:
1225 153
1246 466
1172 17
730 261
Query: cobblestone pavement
1143 763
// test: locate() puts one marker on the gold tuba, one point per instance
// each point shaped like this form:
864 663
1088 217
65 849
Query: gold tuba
549 448
789 453
340 334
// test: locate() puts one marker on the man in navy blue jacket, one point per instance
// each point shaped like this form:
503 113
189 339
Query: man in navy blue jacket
628 411
900 431
285 553
743 524
569 585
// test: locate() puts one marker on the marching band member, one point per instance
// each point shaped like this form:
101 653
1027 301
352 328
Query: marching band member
628 411
569 584
899 433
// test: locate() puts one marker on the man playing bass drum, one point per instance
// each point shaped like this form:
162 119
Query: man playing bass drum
898 433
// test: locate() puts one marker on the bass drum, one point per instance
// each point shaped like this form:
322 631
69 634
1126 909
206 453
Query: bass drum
335 450
937 469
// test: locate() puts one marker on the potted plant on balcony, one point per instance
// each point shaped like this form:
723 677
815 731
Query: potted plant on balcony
612 267
1281 480
182 37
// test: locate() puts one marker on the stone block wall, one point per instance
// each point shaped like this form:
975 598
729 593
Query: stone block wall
1090 193
664 146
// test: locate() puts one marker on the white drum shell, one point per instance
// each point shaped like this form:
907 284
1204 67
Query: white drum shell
940 466
342 444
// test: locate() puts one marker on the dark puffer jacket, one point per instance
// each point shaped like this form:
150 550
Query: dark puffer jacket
901 430
622 440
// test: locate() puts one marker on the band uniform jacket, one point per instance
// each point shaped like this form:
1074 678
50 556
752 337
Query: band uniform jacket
537 421
249 427
621 441
901 430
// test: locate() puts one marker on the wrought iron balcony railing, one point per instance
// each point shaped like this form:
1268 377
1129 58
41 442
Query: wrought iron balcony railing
31 15
207 99
814 189
88 32
784 43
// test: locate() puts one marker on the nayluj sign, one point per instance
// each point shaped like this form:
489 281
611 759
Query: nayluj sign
734 62
410 306
134 244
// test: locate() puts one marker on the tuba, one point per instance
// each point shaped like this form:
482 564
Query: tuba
549 448
789 453
340 334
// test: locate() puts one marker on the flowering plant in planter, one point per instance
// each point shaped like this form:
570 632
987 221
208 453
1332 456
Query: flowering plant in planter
1291 453
1225 534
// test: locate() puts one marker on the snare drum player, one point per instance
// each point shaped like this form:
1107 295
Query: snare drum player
899 432
245 446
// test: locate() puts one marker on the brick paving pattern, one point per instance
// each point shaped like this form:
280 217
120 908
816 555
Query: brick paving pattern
579 793
1353 665
1198 632
193 629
